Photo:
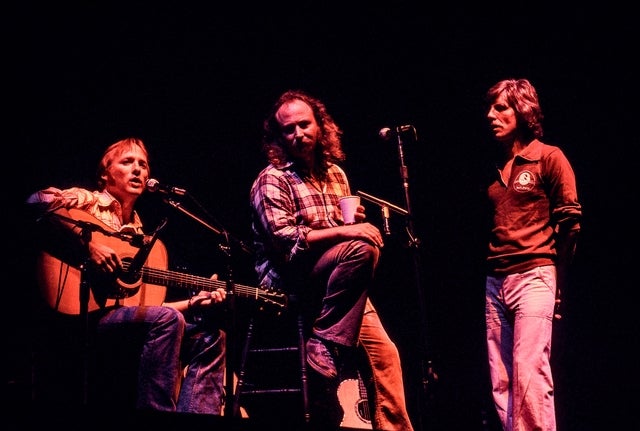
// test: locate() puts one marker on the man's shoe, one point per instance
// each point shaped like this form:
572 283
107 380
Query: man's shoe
320 359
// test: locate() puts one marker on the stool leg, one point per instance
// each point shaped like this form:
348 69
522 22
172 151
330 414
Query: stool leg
242 371
303 369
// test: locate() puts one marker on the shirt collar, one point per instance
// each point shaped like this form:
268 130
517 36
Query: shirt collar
532 152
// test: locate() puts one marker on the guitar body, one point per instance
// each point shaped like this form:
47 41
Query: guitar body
60 282
355 405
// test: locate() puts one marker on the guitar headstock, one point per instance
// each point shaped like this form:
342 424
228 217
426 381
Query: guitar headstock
262 297
272 298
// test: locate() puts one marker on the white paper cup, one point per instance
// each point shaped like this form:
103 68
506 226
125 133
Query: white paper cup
348 206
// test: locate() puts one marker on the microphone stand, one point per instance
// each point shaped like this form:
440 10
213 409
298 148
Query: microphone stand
429 376
85 294
229 410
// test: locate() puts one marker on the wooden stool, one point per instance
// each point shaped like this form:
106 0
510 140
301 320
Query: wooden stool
274 348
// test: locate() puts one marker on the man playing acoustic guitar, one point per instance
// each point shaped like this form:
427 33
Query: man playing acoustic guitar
160 333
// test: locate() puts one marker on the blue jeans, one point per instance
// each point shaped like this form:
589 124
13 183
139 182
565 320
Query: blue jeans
346 271
155 334
203 353
164 344
519 318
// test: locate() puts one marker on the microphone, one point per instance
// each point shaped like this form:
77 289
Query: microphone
385 218
154 185
386 133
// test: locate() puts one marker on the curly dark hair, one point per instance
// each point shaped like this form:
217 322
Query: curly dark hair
523 98
329 148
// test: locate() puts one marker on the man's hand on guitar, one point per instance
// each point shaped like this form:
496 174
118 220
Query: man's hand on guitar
205 298
104 258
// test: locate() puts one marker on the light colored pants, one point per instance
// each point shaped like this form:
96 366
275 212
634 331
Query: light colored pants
519 317
390 411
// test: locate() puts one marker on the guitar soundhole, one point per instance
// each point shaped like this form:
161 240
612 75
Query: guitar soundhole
363 410
127 283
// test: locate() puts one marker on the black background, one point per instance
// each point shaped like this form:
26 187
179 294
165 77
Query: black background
195 83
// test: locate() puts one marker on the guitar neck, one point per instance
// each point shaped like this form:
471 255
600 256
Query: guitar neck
181 280
361 387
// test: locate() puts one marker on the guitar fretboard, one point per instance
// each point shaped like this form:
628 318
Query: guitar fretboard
188 281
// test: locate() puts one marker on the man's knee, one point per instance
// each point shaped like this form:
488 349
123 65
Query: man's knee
366 251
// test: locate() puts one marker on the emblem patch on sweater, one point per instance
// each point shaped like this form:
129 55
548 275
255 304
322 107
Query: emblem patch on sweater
524 182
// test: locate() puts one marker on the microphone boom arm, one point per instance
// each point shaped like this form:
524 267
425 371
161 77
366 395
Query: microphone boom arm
382 203
177 205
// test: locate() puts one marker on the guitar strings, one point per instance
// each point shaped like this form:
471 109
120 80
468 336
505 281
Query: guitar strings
179 279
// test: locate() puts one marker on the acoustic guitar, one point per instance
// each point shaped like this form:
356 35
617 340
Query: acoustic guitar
352 395
60 282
